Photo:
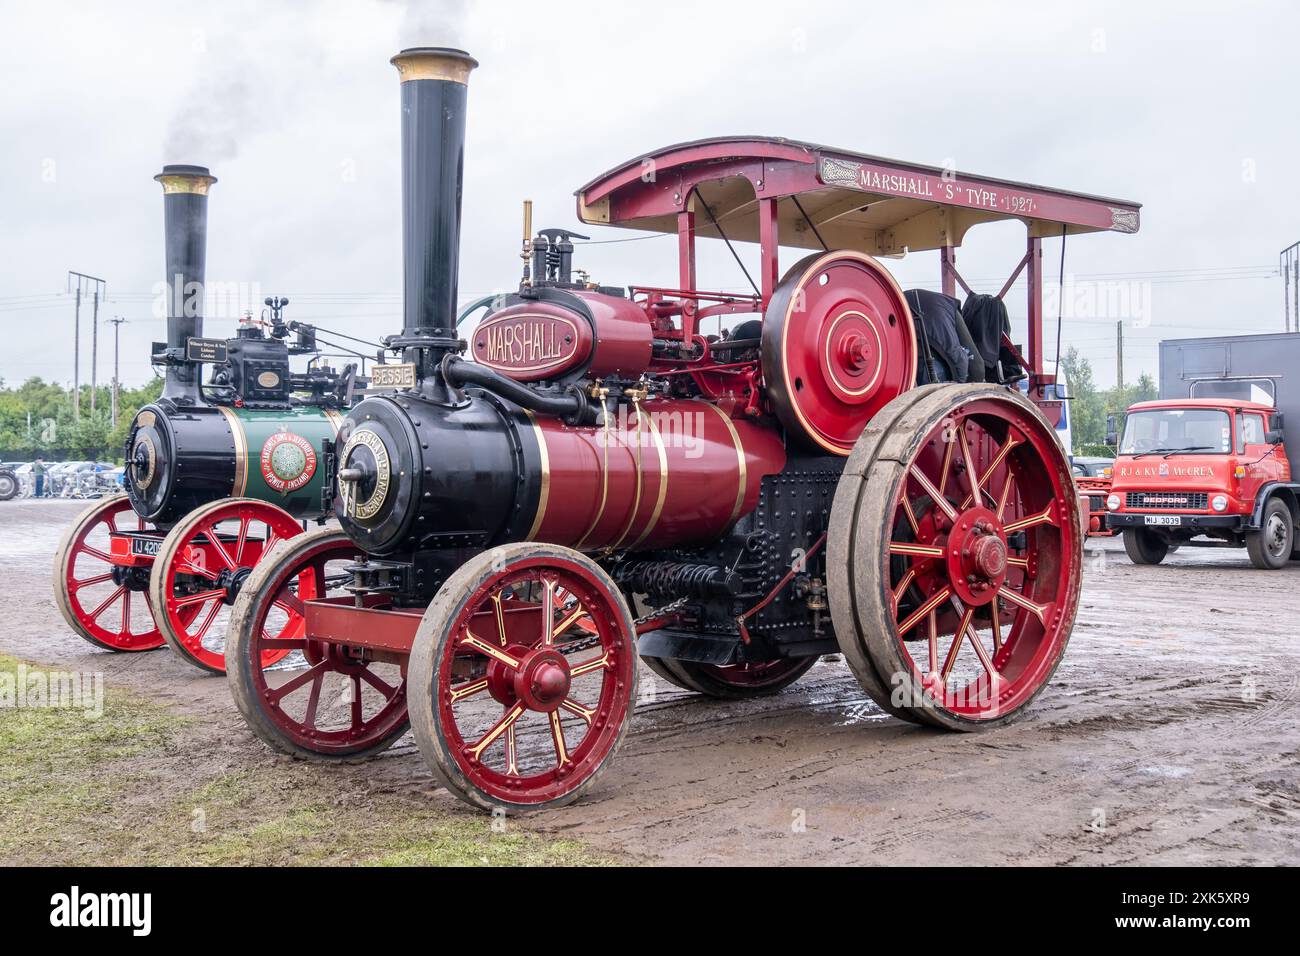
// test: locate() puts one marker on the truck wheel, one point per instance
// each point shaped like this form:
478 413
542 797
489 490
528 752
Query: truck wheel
1270 547
8 485
1143 547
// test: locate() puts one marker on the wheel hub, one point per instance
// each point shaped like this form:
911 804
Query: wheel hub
540 683
977 556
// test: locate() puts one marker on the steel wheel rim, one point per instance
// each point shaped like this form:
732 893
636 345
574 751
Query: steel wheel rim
123 637
755 675
1276 537
191 617
306 579
947 580
506 761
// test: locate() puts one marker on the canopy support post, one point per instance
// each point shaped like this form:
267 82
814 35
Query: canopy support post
948 270
769 267
686 248
1034 266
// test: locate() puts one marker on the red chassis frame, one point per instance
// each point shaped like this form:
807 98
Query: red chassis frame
809 196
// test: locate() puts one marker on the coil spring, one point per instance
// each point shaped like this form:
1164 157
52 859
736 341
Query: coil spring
672 579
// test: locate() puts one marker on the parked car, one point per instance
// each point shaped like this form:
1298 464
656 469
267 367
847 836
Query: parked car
1085 466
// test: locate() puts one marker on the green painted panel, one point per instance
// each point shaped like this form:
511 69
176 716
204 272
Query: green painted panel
281 457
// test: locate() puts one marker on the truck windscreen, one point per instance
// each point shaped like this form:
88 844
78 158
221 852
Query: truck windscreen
1205 431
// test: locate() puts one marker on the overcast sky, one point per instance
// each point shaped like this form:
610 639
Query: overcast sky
1188 108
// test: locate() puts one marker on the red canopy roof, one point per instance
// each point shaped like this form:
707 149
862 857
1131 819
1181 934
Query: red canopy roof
853 200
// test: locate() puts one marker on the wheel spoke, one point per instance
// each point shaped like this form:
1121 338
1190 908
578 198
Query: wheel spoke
1019 600
126 613
1005 497
585 713
277 694
207 622
933 641
548 610
512 752
980 651
916 550
108 601
942 503
972 471
568 622
378 683
313 700
903 585
997 624
500 617
557 738
489 650
356 702
947 465
185 567
911 515
1011 442
933 602
469 690
957 639
1043 517
97 579
500 727
600 663
239 543
199 598
95 553
210 532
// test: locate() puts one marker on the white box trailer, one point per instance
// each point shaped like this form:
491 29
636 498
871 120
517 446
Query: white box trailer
1259 368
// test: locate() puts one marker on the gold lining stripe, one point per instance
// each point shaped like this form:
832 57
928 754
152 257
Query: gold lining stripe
544 495
663 483
640 483
740 460
240 486
335 419
198 185
604 482
452 65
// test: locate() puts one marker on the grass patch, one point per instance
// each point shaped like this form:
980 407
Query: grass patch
140 785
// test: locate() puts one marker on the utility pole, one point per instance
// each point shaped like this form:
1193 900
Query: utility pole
1119 354
1289 266
116 321
100 285
94 352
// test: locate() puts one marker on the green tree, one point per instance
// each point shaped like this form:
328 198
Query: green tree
1087 417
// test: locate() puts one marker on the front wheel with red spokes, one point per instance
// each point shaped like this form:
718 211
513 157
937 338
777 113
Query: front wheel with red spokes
200 568
101 602
523 677
338 703
964 557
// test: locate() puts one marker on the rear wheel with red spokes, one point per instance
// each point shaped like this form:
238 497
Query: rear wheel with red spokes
738 681
200 568
963 557
100 602
335 703
523 677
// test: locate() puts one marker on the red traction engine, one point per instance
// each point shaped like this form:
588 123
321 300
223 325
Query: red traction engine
588 478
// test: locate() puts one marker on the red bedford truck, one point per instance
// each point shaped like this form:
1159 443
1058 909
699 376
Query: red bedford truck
1206 464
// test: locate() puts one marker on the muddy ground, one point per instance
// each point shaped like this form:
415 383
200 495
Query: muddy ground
1170 735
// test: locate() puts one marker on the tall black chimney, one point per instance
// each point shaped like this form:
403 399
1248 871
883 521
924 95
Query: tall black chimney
185 212
433 158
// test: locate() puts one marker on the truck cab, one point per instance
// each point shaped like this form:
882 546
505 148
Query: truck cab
1209 472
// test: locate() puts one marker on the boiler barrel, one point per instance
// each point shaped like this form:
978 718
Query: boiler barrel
416 475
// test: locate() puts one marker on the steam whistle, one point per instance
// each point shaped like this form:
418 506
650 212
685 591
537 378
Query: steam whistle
527 253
